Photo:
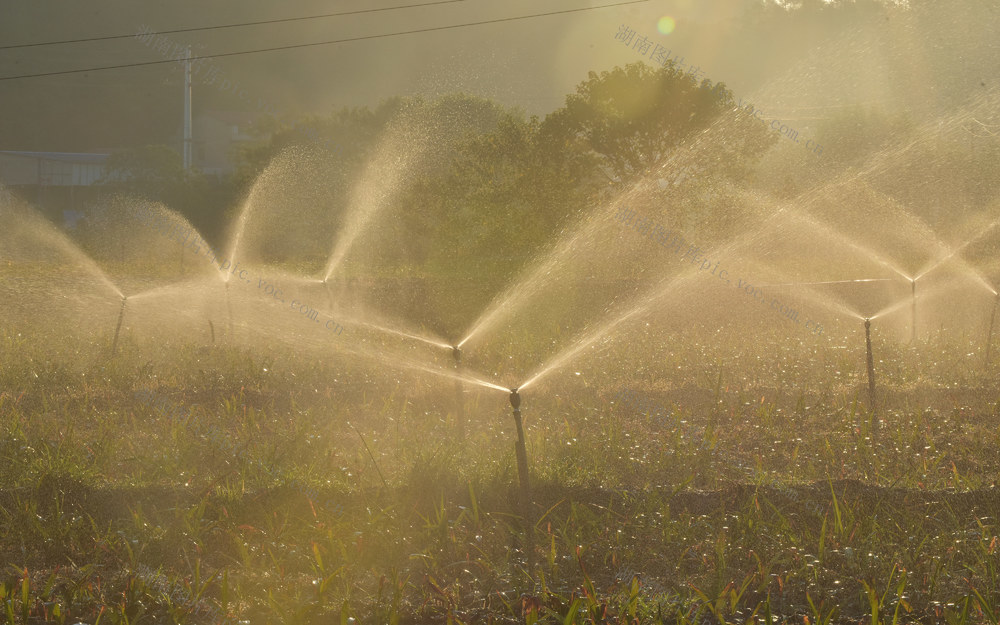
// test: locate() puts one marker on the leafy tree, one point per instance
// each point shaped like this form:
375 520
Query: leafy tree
630 119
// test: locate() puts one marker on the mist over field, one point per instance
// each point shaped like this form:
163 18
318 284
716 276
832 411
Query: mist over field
621 311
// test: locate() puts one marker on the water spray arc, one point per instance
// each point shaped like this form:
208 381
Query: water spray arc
871 365
989 333
118 328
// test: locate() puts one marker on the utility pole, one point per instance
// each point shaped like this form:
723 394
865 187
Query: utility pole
187 110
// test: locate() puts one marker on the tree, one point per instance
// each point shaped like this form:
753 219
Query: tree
630 119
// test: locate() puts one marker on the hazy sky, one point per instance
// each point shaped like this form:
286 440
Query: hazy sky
800 63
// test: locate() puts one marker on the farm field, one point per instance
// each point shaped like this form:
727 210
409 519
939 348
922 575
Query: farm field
463 313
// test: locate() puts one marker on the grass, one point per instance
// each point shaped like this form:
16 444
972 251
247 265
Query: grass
290 482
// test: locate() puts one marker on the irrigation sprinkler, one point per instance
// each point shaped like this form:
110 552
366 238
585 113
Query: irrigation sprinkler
459 403
118 328
229 308
522 473
989 333
329 295
211 329
871 366
913 310
520 448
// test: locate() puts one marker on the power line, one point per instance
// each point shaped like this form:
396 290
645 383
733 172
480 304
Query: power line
190 30
320 43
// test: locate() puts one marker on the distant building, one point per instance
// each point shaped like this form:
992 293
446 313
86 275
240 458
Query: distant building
63 183
56 182
51 169
217 136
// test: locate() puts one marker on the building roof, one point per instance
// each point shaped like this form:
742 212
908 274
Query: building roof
68 157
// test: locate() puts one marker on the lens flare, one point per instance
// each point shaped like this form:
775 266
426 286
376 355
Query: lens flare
666 25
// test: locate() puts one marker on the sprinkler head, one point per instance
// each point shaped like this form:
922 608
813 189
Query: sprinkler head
457 353
515 399
868 323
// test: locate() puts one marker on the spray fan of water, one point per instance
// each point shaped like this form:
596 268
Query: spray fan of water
616 277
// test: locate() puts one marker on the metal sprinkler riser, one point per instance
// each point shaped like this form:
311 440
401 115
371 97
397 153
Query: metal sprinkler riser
118 328
520 447
989 333
459 392
871 365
